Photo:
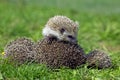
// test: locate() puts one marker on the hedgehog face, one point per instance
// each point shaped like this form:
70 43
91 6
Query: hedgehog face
62 28
67 35
61 34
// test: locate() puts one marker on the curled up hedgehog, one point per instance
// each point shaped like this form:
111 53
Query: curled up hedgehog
59 53
98 59
20 50
58 47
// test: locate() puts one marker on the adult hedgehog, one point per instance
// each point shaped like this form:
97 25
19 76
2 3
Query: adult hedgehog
98 59
59 53
20 50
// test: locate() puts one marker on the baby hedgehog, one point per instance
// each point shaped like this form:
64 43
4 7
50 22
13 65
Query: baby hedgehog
20 50
99 59
61 28
59 54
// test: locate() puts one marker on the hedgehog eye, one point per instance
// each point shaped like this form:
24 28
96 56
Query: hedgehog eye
62 30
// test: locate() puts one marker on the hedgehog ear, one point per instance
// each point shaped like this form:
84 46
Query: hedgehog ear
77 23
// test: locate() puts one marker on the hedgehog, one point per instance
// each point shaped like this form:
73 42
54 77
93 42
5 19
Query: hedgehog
59 54
61 28
20 50
98 59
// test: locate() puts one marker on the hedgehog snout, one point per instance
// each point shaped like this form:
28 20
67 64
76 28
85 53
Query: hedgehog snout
72 39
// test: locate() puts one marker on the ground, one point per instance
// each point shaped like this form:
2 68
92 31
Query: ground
99 28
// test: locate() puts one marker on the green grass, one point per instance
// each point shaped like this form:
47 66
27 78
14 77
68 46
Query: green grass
99 28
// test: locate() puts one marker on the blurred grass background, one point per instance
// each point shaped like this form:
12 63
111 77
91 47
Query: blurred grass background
99 23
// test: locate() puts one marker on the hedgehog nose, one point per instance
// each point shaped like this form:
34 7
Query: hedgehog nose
72 39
